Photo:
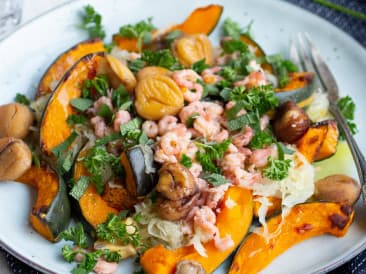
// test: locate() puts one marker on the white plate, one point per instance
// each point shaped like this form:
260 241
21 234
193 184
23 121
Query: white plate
28 52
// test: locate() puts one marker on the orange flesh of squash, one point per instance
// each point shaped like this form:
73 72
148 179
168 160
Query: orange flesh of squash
304 221
276 206
46 183
233 221
297 80
309 144
64 62
93 207
329 145
54 128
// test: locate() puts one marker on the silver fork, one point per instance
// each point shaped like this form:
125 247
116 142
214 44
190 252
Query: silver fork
306 55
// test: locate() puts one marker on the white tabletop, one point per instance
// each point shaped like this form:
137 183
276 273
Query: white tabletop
31 9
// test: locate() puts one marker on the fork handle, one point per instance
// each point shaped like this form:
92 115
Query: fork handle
355 150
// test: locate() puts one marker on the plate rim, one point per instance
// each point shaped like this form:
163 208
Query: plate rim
39 267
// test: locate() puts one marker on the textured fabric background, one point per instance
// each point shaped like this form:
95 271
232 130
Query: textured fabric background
354 27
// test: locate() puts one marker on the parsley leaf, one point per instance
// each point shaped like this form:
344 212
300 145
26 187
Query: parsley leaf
277 169
186 161
99 84
136 65
76 234
282 67
232 28
210 152
261 139
61 148
161 58
117 229
229 73
121 99
110 138
250 119
215 179
81 104
22 99
75 119
234 45
68 253
199 66
79 187
348 108
190 120
92 22
106 112
130 126
141 30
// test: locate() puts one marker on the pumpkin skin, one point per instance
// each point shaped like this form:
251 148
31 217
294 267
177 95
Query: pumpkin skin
303 222
160 260
64 62
50 214
54 128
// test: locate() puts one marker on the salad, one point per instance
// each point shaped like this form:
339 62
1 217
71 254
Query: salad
173 149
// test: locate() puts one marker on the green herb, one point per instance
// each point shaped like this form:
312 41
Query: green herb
141 31
130 126
80 187
59 150
161 58
121 99
81 104
136 65
92 22
110 138
229 73
75 119
199 66
277 169
76 234
234 45
232 29
90 259
210 152
248 29
68 253
261 139
171 36
22 99
35 158
282 150
65 164
282 67
99 84
143 139
111 256
116 229
106 112
186 161
250 119
190 120
342 9
215 179
348 108
138 217
209 89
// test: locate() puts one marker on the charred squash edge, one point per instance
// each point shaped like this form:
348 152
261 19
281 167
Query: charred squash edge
329 146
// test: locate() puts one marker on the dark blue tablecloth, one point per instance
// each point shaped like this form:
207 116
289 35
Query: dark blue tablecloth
355 28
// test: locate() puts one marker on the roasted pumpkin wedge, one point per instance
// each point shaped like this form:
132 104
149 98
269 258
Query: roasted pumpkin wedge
54 129
329 145
164 261
50 214
299 89
138 166
302 222
192 25
64 62
273 207
93 207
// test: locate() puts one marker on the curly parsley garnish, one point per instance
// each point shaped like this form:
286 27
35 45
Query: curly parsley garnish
277 169
208 153
348 108
92 22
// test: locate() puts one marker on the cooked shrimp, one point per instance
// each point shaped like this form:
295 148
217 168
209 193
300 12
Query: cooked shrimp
254 65
193 95
189 110
170 143
264 121
243 178
187 79
259 157
150 128
214 110
104 100
122 117
243 139
191 150
100 127
195 169
214 195
210 76
104 267
224 243
231 161
222 136
204 220
254 79
161 157
167 123
206 127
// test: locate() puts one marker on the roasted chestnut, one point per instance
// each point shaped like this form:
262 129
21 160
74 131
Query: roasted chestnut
15 120
151 71
290 122
176 210
338 188
189 267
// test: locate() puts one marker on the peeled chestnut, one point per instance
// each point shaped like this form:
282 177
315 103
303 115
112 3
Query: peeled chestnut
189 267
176 210
290 122
338 188
151 71
15 158
15 120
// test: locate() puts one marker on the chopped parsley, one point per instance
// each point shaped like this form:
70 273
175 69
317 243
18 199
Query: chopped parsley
277 169
234 45
92 22
229 73
59 150
106 139
98 84
215 179
261 139
251 119
81 104
232 29
121 99
161 58
79 187
76 234
75 119
141 31
22 99
199 66
282 67
136 65
117 229
106 112
208 153
186 161
348 108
